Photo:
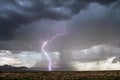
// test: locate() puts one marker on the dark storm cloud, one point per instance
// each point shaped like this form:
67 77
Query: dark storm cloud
17 12
102 1
91 22
97 24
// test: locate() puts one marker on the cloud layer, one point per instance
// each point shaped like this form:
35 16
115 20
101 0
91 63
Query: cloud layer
99 57
92 29
28 59
96 53
15 13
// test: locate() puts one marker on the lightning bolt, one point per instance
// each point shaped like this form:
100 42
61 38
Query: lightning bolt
46 54
46 43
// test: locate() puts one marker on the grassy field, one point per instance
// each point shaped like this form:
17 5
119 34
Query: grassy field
82 75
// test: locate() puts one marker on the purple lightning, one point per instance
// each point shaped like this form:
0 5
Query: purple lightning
45 52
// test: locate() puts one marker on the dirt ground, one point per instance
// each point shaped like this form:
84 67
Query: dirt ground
63 75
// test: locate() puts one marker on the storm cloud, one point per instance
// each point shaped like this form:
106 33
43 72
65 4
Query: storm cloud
26 24
96 53
97 24
15 13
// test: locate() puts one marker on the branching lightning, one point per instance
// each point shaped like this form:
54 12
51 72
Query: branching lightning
45 52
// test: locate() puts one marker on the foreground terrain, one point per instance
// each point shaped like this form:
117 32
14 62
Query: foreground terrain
56 75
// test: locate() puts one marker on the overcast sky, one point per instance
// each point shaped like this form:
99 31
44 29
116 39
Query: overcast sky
92 31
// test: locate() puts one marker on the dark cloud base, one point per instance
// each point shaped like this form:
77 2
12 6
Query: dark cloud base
17 12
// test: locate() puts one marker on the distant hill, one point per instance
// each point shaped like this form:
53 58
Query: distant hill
12 68
8 68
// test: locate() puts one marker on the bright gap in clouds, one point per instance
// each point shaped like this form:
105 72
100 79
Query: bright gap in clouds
28 59
99 57
98 65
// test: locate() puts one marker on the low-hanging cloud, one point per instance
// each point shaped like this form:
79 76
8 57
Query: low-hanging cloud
96 53
28 59
93 66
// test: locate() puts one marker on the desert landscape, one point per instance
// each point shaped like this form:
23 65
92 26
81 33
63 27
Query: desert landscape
59 39
61 75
